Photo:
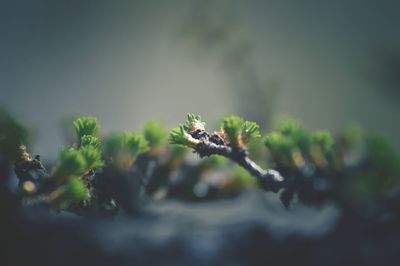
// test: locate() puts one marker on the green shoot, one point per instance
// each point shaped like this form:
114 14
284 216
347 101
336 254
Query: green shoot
232 126
92 157
193 123
71 163
250 131
324 139
122 149
179 136
73 191
154 133
90 141
86 126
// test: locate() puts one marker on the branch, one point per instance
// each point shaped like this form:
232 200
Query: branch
230 143
269 180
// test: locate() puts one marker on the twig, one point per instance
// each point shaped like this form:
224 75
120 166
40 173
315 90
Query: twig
270 179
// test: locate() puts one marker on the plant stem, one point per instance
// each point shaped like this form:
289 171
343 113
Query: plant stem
269 180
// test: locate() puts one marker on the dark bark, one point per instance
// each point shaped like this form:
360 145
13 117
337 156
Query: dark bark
269 180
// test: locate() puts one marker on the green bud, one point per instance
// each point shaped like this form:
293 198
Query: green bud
86 126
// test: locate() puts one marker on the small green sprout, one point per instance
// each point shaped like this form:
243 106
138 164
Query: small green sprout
92 157
232 126
294 130
179 136
86 126
89 140
289 127
77 162
154 133
73 191
250 131
324 139
280 147
193 123
71 163
239 132
123 148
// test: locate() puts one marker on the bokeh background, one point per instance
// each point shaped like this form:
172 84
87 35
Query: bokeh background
327 63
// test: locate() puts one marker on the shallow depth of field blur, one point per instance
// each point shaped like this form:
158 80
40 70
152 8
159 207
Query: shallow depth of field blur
327 63
332 65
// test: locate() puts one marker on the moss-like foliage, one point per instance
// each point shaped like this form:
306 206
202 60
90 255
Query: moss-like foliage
239 132
250 131
86 126
12 135
154 133
123 148
324 140
294 130
179 136
92 157
73 191
71 163
92 141
77 162
232 127
193 123
280 147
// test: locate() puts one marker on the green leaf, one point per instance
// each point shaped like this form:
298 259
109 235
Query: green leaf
86 126
279 144
92 157
125 144
89 140
193 123
324 139
154 133
178 136
73 191
71 163
232 126
250 131
294 130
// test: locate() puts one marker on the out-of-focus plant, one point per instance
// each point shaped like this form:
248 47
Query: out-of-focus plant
348 169
355 166
75 184
12 135
122 149
155 134
101 175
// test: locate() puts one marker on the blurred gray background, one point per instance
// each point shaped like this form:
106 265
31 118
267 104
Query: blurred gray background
327 63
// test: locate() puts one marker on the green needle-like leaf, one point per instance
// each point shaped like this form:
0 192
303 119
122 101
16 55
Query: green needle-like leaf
86 126
71 162
232 126
154 133
250 131
179 136
324 139
125 145
193 123
92 157
91 141
73 191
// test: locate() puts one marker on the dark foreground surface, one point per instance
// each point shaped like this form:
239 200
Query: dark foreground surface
253 229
